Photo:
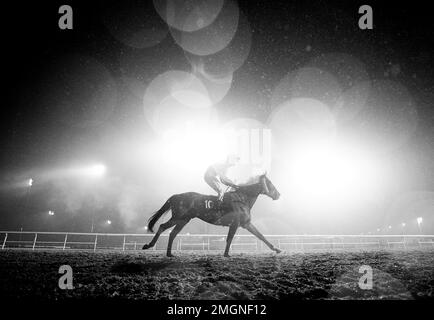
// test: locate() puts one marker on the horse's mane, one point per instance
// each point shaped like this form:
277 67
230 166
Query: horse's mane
251 181
249 188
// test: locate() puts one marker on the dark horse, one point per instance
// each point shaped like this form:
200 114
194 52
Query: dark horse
234 212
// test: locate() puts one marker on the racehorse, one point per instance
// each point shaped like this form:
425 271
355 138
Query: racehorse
234 212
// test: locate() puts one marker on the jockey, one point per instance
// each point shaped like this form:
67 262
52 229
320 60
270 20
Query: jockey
216 175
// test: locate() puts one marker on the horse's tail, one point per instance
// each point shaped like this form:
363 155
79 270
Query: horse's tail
157 215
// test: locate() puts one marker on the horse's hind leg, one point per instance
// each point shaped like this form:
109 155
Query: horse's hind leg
232 229
161 229
250 227
173 234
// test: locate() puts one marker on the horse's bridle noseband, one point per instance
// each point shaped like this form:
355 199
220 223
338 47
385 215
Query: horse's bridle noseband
264 185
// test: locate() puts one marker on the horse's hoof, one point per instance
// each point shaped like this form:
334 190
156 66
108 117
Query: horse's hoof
226 255
146 246
277 250
169 255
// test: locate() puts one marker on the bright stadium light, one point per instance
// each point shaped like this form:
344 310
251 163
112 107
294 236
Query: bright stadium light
109 222
419 224
96 170
403 224
30 182
390 227
51 213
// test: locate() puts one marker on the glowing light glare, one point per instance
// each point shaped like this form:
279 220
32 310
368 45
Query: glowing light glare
30 182
378 230
193 148
307 83
419 220
175 98
51 213
403 224
95 170
192 98
389 117
328 175
390 227
298 120
217 86
109 222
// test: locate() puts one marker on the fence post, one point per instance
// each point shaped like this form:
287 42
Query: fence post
34 241
64 242
123 246
94 245
4 241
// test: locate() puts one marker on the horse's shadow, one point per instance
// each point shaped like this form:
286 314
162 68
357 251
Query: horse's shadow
133 267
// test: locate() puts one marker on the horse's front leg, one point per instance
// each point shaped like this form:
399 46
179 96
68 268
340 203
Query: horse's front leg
250 227
232 229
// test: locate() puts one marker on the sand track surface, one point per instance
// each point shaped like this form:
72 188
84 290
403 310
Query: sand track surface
192 275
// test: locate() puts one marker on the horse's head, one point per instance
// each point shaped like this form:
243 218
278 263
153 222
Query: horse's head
268 187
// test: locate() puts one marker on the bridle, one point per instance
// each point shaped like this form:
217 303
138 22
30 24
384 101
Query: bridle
265 189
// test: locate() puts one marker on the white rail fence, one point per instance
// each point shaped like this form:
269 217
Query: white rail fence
207 242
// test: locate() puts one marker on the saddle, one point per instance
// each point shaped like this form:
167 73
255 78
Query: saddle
212 210
211 203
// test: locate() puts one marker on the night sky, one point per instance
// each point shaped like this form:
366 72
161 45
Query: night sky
285 35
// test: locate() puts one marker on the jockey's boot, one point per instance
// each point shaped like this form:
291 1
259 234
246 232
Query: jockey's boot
221 195
220 201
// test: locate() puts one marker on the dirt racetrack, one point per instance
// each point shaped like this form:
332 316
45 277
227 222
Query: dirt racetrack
192 275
